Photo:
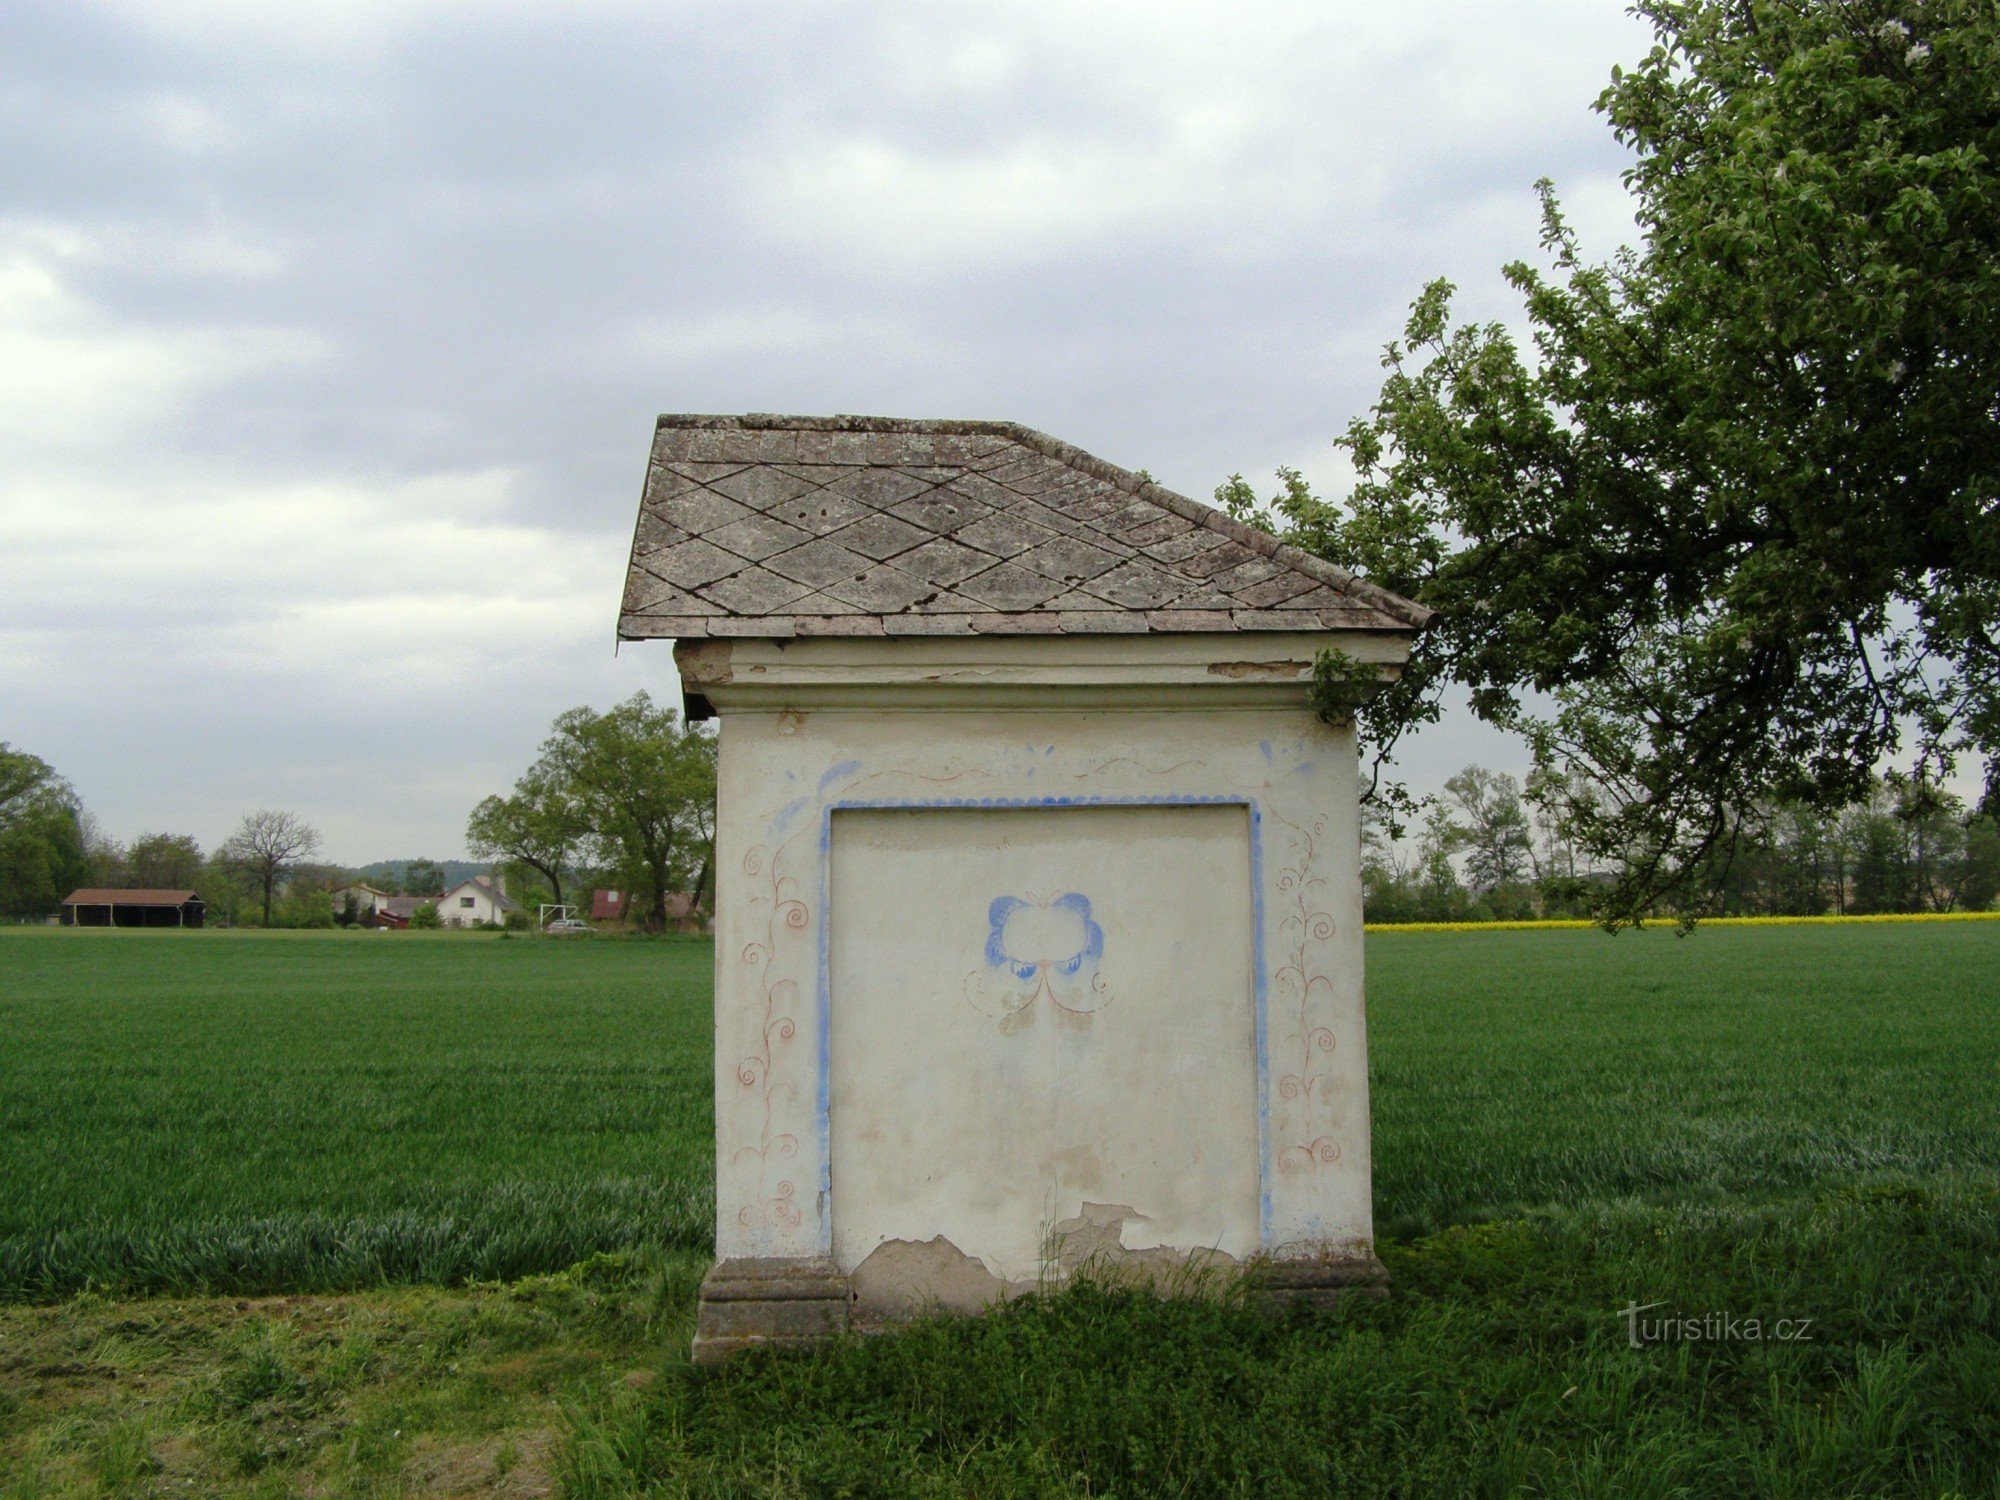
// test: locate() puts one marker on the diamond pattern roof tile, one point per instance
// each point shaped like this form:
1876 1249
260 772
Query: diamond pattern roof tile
782 526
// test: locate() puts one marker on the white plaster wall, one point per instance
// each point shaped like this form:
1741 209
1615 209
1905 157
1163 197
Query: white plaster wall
782 774
1035 1009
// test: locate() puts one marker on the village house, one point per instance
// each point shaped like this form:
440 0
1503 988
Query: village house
396 911
681 914
483 898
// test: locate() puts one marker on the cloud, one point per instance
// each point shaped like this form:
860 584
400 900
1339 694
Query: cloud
72 376
330 337
139 594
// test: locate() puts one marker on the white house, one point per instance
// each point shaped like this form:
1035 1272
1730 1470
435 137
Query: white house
483 898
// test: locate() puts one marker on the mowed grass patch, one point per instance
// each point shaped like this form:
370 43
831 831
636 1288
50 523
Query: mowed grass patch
288 1112
418 1390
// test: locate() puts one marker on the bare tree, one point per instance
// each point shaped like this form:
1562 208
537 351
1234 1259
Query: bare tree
266 845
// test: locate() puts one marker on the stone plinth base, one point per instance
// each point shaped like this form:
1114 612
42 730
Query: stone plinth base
786 1304
768 1304
1317 1282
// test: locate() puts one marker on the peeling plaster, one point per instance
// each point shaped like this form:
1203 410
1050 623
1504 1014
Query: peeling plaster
1259 669
903 1279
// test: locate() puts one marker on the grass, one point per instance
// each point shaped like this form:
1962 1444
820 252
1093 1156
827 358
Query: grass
1499 1367
1513 1071
411 1390
1791 1122
300 1112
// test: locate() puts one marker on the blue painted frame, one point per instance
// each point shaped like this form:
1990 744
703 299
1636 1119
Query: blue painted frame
824 1021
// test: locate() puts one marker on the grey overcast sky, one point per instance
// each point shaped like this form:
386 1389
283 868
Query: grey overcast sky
331 334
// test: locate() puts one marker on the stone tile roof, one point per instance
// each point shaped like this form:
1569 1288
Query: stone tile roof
783 526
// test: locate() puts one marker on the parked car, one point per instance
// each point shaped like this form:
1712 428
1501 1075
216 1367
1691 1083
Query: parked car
568 927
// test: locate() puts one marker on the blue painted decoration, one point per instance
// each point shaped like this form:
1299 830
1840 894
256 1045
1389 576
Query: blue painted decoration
1039 950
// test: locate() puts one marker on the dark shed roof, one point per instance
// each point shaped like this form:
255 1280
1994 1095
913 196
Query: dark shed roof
96 896
780 526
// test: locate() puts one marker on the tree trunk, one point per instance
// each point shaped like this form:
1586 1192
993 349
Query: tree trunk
701 880
270 879
555 880
656 870
659 871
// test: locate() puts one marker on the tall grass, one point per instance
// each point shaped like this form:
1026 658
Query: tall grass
273 1112
1500 1366
1519 1070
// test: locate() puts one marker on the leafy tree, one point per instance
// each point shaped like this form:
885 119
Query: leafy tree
1491 827
1428 890
306 903
164 861
1977 883
423 877
110 864
1908 847
426 915
228 889
541 825
42 858
266 845
644 784
1737 515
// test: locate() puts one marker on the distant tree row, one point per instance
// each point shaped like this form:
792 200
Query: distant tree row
625 797
1493 849
49 846
250 877
628 794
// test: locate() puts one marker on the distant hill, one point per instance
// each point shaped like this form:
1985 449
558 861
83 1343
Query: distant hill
390 871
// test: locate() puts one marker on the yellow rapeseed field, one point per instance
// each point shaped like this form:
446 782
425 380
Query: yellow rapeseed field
1551 923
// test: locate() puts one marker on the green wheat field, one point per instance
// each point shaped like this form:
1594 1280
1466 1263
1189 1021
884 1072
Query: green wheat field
382 1214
